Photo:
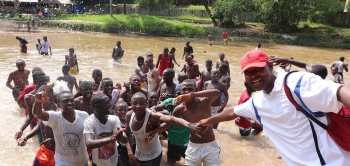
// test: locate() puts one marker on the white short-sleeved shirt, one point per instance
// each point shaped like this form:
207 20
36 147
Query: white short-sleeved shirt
106 155
288 129
70 148
45 46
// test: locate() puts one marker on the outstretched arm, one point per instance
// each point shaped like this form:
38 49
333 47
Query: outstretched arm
225 115
300 64
32 133
92 143
343 95
211 94
38 110
345 66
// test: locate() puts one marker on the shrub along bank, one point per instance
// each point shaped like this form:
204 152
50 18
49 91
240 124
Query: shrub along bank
147 25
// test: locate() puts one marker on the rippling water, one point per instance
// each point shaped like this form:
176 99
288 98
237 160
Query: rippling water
94 51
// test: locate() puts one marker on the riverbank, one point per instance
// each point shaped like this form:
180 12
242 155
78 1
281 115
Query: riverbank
195 27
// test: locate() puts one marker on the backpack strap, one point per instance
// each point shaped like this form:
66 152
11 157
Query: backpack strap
257 113
301 109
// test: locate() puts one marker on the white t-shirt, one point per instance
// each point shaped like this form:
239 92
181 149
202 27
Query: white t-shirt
288 129
70 148
106 155
45 46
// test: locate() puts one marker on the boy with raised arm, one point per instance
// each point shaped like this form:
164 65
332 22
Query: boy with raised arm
19 78
194 106
142 123
46 152
101 131
215 83
67 126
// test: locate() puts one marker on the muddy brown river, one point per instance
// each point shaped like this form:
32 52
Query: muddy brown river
94 51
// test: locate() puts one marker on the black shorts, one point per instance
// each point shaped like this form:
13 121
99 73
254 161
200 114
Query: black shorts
176 152
44 53
153 162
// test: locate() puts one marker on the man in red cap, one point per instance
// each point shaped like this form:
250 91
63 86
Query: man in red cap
288 129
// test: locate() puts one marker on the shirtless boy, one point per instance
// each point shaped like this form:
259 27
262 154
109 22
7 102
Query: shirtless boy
72 61
180 77
19 78
97 76
71 81
152 99
205 75
210 39
126 94
101 131
82 103
215 83
153 77
121 109
221 61
188 50
142 71
164 61
225 78
39 79
191 68
67 126
118 53
47 148
194 106
172 54
167 89
142 123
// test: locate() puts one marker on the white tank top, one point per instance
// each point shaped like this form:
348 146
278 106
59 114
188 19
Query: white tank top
151 81
145 152
339 65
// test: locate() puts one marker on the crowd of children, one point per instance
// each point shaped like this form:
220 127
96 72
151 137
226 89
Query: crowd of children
108 124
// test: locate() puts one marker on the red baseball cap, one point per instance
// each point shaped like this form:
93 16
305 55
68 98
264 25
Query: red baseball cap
253 58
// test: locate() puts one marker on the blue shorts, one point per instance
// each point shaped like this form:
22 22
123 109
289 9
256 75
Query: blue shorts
223 97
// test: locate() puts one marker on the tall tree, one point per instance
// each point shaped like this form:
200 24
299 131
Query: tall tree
209 13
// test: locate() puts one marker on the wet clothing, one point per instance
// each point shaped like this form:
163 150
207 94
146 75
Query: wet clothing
206 153
70 144
44 157
164 63
243 125
73 70
107 154
146 152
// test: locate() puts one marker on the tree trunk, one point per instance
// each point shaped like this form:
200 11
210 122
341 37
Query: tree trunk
209 13
124 7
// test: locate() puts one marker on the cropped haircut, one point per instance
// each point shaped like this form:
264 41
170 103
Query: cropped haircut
320 70
97 98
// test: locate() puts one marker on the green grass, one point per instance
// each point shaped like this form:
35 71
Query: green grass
193 7
150 25
185 17
308 24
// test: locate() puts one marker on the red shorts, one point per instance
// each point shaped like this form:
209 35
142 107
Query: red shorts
45 157
34 121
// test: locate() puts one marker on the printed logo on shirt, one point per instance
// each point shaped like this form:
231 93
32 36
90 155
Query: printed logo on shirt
72 140
108 150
